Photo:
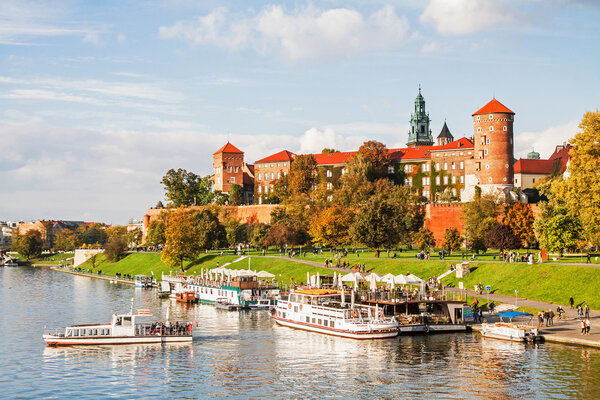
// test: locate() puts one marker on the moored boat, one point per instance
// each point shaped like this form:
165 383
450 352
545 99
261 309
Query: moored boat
223 304
164 289
123 329
186 297
326 311
510 329
143 281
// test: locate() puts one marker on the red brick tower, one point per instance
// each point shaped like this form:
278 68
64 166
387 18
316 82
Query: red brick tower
492 166
228 165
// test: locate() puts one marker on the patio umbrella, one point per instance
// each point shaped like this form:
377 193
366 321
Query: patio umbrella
348 277
388 278
343 297
373 283
265 274
318 281
413 279
401 280
334 279
307 278
373 274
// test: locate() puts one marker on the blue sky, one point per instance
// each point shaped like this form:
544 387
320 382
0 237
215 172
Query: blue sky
98 99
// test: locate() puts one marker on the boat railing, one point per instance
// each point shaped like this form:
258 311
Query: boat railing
162 329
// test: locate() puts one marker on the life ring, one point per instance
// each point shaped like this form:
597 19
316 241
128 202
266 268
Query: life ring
289 305
300 307
354 314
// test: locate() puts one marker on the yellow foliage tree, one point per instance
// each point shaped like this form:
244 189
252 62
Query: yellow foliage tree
331 227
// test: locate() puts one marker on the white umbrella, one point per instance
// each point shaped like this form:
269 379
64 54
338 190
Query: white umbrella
413 279
373 274
348 277
401 280
373 283
388 278
334 279
265 274
307 278
318 282
343 297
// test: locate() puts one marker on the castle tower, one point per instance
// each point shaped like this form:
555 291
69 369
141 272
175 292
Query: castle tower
228 165
492 166
419 133
445 136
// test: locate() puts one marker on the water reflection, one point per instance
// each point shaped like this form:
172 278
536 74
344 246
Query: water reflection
243 355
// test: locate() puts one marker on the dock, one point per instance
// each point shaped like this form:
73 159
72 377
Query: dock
96 276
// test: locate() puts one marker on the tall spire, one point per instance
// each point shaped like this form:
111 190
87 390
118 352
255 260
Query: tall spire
419 134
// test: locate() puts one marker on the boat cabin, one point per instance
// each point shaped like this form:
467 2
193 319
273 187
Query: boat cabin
244 282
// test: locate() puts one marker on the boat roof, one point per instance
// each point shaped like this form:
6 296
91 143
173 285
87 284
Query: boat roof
512 314
317 292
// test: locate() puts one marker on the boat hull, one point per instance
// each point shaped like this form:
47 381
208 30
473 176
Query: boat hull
434 328
52 340
378 334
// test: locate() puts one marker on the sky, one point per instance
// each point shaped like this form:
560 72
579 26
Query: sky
98 99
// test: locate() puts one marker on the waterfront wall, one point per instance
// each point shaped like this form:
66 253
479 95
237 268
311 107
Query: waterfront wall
82 255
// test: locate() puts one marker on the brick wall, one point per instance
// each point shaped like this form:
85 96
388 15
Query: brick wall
438 217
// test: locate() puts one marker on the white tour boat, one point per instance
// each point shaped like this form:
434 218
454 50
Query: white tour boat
123 329
511 330
326 311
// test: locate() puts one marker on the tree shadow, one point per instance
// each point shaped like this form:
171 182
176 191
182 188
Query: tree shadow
200 260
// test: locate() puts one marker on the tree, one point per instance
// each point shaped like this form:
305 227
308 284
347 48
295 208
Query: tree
501 237
134 236
302 175
257 234
236 232
189 232
156 233
424 239
372 160
581 189
452 239
556 230
328 150
29 245
236 195
479 216
66 240
281 235
94 234
519 217
331 227
183 188
115 248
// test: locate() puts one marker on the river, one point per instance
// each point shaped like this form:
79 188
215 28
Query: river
244 355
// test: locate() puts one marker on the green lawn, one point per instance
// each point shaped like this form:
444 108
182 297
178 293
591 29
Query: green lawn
544 282
46 259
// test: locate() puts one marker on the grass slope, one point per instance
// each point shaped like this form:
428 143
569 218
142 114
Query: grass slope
549 283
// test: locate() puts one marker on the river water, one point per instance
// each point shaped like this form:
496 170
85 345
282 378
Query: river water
244 355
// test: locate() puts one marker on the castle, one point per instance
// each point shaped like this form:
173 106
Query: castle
444 170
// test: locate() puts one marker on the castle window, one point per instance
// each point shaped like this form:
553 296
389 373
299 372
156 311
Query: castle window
278 165
426 193
272 165
490 179
236 169
453 154
533 181
260 176
469 153
437 180
453 179
461 165
408 168
462 179
330 199
504 179
437 166
506 165
329 186
445 166
460 154
285 164
272 175
478 118
483 139
453 191
446 180
491 128
504 128
516 181
278 175
408 181
426 167
491 116
391 169
487 141
453 165
425 181
229 169
437 154
233 179
259 189
329 174
487 166
478 129
422 129
485 152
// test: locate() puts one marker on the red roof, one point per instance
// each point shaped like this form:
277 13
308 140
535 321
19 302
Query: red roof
229 148
333 158
281 156
561 153
533 166
492 107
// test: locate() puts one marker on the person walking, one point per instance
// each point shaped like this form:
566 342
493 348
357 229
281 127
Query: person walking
546 317
588 259
571 301
586 311
551 314
540 319
587 326
583 327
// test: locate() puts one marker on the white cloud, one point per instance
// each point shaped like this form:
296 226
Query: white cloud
544 141
306 34
430 48
461 17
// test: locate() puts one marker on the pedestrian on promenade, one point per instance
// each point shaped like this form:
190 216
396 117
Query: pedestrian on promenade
571 301
540 319
586 311
551 314
580 311
588 258
587 326
546 317
583 327
560 312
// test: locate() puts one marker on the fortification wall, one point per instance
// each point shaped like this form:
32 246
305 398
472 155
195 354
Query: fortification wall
438 217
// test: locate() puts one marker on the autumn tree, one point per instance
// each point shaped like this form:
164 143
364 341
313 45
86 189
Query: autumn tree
302 175
116 247
479 216
28 245
66 240
581 189
94 234
189 232
424 239
236 232
183 188
134 236
257 234
501 237
452 239
281 235
156 233
519 217
331 227
372 160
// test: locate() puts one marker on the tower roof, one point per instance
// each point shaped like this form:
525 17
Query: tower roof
229 148
492 107
283 155
445 133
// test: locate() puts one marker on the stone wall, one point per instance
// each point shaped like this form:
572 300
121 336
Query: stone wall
438 217
82 255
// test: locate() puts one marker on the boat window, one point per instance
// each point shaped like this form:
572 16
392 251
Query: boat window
331 324
308 319
69 333
126 321
82 332
304 299
309 300
313 320
75 332
95 332
320 322
295 308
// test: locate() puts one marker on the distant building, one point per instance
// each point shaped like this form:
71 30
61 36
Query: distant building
268 170
48 229
419 133
230 169
529 171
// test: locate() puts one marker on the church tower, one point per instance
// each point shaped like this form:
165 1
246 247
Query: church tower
419 134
